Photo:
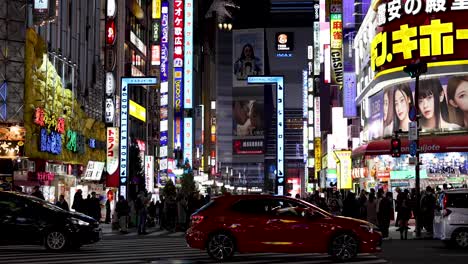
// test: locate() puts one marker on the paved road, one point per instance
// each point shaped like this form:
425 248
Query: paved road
163 247
156 248
421 251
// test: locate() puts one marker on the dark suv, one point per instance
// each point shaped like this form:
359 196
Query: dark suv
26 219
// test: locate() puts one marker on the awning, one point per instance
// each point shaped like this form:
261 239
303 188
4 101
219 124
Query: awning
427 144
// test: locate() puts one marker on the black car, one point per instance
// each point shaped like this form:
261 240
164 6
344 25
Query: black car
26 219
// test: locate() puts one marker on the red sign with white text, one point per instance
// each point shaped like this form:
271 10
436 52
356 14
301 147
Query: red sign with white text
178 33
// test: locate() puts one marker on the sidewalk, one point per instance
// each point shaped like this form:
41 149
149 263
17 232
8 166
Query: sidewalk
394 234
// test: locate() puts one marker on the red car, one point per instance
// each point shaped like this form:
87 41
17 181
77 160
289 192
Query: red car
266 223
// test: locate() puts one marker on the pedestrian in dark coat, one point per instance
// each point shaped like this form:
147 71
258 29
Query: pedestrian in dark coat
351 206
385 213
122 209
78 202
62 203
94 207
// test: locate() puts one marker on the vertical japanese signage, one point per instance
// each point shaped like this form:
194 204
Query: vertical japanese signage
199 134
112 163
343 166
188 58
155 32
178 33
149 173
178 107
336 43
178 63
188 139
156 9
349 95
164 42
163 127
279 81
124 129
111 36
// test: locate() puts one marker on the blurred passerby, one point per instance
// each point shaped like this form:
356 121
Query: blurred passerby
141 206
385 213
351 207
94 207
62 203
371 206
108 212
37 193
182 212
122 209
428 205
362 205
404 214
78 202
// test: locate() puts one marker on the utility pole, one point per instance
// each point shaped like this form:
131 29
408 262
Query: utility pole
415 70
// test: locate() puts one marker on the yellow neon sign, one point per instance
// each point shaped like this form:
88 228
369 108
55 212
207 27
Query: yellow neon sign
435 39
137 111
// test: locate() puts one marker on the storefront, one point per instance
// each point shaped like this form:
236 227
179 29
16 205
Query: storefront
60 138
388 100
11 152
444 160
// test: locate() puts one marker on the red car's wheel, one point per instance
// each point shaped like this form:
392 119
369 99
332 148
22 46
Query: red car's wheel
220 247
344 247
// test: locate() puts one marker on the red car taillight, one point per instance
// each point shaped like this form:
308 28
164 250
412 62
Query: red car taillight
196 219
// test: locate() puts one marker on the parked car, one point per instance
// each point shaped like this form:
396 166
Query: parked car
266 223
451 218
26 219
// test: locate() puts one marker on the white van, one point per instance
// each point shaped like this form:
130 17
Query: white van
451 218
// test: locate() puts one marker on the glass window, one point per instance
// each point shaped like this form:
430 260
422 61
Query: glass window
285 207
457 200
10 204
252 206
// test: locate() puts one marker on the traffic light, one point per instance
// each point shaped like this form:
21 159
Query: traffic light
396 147
415 69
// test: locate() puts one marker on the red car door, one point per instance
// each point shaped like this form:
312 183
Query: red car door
294 228
247 222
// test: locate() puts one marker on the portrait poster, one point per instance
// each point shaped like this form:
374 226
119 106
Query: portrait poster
248 55
441 106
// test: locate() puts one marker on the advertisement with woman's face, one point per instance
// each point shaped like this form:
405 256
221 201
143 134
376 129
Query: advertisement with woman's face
248 55
442 104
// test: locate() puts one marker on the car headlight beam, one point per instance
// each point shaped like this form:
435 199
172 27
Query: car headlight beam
79 222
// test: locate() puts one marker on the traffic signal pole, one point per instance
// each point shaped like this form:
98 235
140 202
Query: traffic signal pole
415 70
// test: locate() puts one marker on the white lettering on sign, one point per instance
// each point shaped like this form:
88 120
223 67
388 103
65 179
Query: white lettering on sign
138 43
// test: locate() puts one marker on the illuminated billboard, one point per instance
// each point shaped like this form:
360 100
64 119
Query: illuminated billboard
188 57
433 31
278 80
389 108
178 52
124 129
137 111
178 107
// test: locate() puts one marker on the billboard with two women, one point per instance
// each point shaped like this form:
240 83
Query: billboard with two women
442 105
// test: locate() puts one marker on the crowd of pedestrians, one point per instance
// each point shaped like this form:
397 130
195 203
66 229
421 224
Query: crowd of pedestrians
379 207
169 213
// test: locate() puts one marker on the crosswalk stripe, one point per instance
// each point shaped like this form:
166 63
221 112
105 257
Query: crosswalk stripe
161 250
